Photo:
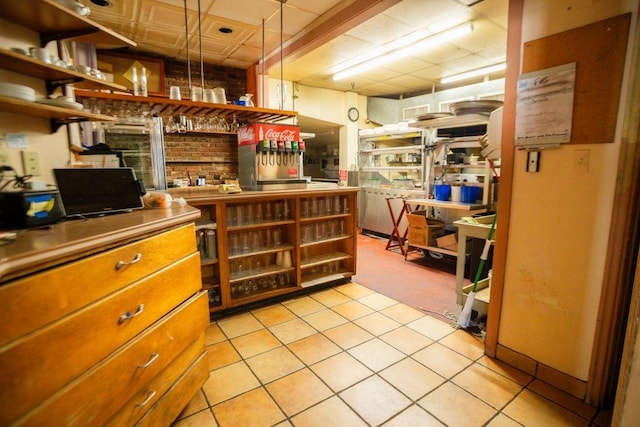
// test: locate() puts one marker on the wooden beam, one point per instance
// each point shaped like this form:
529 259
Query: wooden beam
329 26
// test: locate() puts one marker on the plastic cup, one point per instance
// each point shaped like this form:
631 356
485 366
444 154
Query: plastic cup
174 93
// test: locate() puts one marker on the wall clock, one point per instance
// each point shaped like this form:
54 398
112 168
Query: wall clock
353 114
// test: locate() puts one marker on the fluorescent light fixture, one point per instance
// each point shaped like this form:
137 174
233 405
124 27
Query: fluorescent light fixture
405 46
474 73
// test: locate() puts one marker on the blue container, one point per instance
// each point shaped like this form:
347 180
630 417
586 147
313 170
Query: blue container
469 194
442 192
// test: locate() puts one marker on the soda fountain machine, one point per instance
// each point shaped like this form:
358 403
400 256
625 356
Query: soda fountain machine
270 157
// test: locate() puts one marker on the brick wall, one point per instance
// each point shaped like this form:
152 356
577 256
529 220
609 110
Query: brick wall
214 156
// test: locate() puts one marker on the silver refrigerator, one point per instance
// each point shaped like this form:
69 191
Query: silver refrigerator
140 145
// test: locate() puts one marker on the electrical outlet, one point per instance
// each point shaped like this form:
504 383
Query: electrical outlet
31 163
5 157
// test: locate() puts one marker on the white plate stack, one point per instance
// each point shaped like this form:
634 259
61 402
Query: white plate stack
62 103
13 90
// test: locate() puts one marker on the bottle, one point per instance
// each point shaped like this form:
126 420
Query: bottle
143 82
135 81
212 252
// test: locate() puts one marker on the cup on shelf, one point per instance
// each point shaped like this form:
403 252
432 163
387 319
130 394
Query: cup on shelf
174 93
219 96
196 94
208 95
42 54
286 259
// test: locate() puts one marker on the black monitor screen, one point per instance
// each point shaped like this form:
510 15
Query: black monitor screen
98 190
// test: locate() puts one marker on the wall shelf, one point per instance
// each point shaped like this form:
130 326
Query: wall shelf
55 22
58 115
171 107
54 76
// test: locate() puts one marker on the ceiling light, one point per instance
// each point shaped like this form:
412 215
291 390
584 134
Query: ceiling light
474 73
403 47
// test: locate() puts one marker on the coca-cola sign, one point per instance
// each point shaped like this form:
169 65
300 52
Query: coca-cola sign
252 134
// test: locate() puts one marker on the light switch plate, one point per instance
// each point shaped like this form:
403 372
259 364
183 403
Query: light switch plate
533 161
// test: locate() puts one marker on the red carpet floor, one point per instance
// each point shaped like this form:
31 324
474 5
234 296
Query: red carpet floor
411 282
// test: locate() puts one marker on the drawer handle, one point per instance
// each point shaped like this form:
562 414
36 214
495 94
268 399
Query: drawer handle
128 315
153 358
122 264
147 400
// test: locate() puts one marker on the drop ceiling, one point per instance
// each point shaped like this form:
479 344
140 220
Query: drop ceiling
316 36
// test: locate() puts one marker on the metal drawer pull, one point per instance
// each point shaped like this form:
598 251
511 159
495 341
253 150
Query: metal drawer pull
136 259
154 356
128 314
147 400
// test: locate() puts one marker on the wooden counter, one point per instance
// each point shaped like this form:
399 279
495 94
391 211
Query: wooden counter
35 249
103 321
273 243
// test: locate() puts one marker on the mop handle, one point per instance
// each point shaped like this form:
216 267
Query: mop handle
485 253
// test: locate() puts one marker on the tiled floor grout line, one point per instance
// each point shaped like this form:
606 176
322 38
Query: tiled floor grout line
327 305
374 373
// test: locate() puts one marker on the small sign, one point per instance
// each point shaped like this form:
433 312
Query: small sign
544 106
343 175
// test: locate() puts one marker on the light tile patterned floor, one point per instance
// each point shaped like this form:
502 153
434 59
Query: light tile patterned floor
348 356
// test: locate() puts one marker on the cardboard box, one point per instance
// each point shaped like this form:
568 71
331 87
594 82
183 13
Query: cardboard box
423 231
448 241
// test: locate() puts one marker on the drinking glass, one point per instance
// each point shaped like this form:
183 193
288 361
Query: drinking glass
277 237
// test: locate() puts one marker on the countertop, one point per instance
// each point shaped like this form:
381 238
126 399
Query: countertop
195 194
37 248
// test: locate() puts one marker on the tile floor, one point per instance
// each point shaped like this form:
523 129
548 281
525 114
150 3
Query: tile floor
349 356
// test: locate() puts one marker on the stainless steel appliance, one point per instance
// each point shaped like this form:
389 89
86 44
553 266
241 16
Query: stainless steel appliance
270 157
141 144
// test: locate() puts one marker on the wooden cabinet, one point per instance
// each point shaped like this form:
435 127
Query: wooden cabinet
275 243
105 324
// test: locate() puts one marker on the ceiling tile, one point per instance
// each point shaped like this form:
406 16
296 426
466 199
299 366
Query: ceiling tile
295 20
380 30
424 13
250 11
317 7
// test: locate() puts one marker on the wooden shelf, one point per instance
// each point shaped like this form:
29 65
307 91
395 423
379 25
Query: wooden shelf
58 115
262 295
255 225
324 217
319 242
324 258
320 278
55 22
54 75
264 251
267 271
170 107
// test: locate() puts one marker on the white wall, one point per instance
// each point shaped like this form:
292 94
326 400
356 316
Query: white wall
560 220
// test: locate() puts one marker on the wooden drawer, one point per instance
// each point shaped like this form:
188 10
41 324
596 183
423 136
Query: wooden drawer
36 366
30 303
167 409
144 401
103 390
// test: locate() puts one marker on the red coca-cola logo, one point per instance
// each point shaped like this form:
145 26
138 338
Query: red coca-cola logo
246 133
284 135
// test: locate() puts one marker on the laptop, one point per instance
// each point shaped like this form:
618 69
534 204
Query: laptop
98 191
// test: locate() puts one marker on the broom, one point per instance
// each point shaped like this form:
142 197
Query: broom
465 315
